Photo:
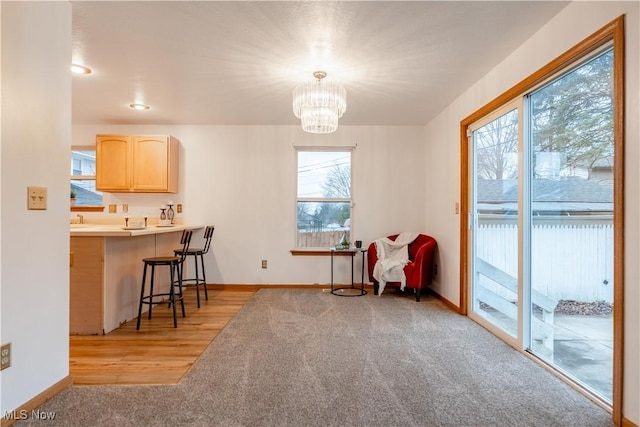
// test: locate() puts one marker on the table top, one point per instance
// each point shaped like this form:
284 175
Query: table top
352 249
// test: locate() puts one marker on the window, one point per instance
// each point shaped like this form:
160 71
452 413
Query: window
83 177
323 201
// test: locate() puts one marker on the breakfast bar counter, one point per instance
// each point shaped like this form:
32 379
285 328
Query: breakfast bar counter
108 230
106 271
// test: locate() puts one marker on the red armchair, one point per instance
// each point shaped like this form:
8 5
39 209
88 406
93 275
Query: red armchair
419 270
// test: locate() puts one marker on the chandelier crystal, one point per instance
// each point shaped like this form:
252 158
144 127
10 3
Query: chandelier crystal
319 105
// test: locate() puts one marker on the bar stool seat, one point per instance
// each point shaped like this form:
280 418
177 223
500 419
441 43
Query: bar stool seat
175 268
198 262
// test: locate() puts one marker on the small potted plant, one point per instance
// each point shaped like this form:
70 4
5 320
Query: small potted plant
73 197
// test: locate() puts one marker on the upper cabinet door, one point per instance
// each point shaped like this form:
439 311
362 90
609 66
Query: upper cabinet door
113 163
150 156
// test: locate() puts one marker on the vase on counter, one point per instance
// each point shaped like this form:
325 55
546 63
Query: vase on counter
170 213
344 242
163 215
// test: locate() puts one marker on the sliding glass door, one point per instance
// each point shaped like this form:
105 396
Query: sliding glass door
494 220
571 220
541 222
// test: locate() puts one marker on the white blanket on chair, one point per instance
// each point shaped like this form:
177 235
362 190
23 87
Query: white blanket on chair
392 257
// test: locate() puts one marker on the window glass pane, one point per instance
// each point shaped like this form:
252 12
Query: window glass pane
86 193
322 225
572 224
83 164
495 293
324 174
323 198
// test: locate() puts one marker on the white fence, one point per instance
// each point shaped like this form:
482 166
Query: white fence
571 259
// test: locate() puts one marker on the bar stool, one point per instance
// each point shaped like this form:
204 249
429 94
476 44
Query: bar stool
198 253
175 267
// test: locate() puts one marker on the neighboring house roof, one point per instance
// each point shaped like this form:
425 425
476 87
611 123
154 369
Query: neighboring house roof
86 197
553 195
604 163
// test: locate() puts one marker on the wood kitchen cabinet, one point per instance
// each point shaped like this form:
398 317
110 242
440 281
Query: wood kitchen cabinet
106 277
137 163
86 285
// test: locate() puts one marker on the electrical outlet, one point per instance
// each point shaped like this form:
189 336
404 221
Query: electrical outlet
264 263
125 208
5 356
113 208
37 198
179 207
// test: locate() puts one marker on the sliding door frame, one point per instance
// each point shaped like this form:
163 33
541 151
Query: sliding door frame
612 32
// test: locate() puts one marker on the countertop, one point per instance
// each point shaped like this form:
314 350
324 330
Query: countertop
92 230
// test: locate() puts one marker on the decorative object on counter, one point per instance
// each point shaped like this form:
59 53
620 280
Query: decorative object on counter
134 225
344 242
145 219
170 213
72 197
163 215
126 220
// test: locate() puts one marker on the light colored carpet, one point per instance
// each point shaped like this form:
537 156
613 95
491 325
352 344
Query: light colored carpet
297 357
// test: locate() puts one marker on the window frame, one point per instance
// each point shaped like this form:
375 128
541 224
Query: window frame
321 250
84 208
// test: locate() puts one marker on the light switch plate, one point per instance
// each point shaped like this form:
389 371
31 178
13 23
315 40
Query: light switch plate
37 198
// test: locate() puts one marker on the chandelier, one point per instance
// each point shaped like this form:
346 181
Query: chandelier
319 105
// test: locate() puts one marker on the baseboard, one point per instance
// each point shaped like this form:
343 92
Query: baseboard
446 302
24 412
628 423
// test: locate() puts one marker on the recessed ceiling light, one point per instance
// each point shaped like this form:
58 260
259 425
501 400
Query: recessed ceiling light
80 69
139 106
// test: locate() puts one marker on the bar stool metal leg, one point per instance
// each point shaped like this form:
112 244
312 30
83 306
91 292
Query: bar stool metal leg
172 297
144 276
204 277
150 297
179 270
195 265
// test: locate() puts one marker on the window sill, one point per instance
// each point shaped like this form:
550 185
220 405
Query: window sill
87 208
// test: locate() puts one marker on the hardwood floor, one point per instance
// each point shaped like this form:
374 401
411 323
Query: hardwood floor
158 353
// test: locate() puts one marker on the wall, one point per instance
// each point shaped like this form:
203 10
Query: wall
242 180
573 24
34 151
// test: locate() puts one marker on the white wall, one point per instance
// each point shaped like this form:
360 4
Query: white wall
34 151
242 180
573 24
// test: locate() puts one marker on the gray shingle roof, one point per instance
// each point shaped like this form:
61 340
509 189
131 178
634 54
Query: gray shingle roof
563 190
564 196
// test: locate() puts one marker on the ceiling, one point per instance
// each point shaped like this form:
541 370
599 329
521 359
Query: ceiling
237 62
